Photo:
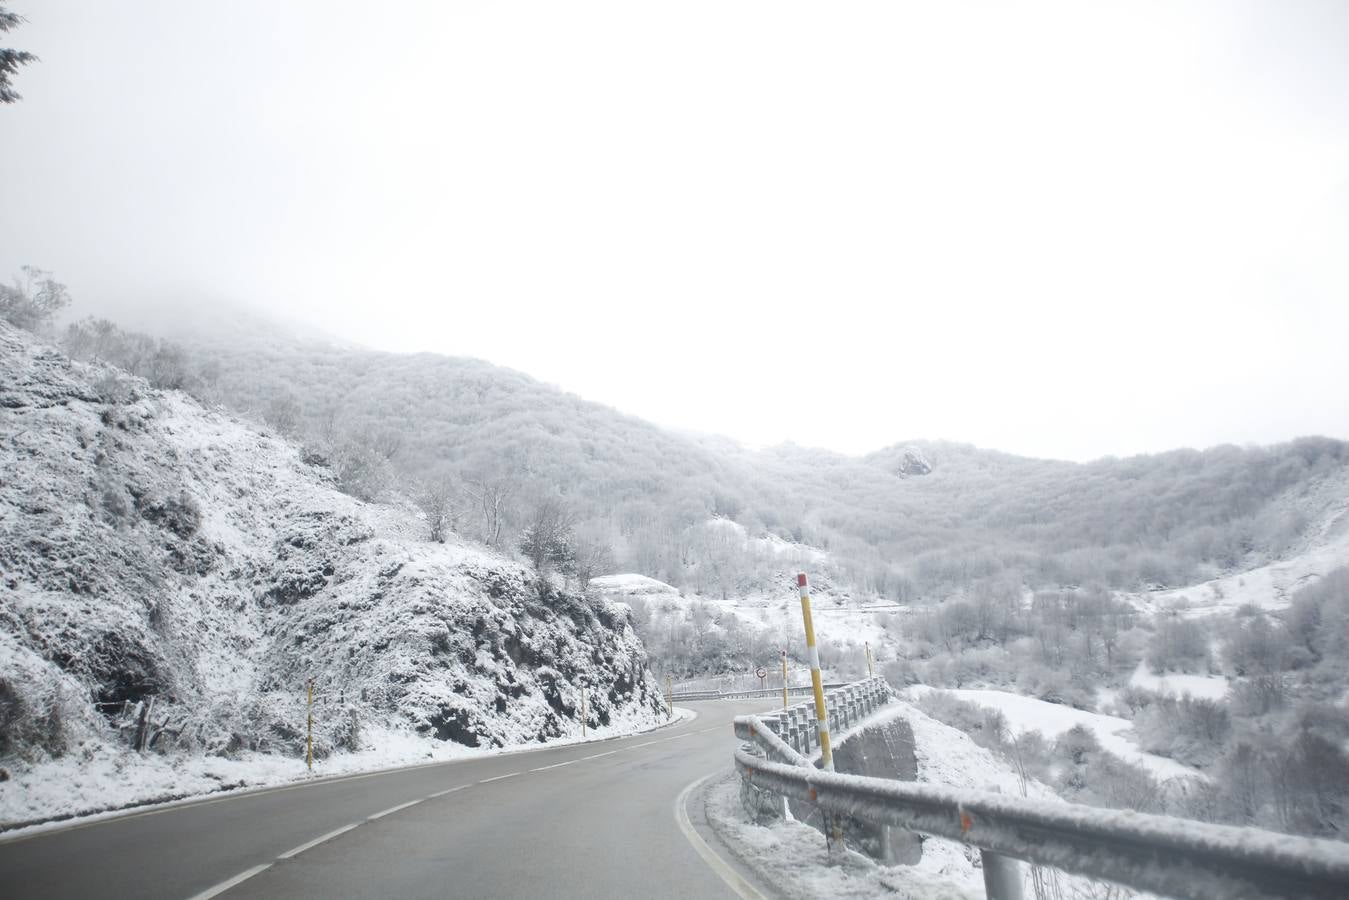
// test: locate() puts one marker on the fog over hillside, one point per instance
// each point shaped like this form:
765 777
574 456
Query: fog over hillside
921 519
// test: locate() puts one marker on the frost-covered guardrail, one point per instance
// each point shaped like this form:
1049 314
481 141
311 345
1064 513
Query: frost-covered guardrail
746 695
1169 856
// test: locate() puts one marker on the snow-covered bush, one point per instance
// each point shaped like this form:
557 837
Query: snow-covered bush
1192 730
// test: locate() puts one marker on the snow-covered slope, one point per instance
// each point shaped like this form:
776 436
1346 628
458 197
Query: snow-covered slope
153 549
1052 719
1324 501
692 635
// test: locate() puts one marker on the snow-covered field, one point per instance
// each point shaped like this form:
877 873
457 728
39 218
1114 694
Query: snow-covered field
1052 719
1208 687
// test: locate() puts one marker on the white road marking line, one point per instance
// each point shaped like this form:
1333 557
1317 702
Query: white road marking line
154 809
226 885
610 753
296 851
498 777
554 765
393 809
733 879
446 791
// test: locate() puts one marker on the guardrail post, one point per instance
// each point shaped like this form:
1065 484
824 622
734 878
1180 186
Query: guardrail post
1002 876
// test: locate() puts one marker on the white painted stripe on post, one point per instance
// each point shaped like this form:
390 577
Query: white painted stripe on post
814 658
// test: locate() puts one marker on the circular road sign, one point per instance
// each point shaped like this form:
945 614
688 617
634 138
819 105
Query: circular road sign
761 672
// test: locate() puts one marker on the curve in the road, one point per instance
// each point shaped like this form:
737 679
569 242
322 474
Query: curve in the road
502 828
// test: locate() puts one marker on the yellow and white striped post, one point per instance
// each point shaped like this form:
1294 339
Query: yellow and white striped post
816 680
833 826
784 679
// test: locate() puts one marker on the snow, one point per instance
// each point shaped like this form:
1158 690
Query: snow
791 856
1268 587
1208 687
631 584
100 781
154 548
1052 719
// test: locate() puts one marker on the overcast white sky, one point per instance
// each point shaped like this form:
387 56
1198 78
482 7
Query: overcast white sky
1068 229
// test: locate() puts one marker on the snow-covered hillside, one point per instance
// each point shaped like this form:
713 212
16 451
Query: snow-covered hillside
1025 714
155 550
696 634
1324 502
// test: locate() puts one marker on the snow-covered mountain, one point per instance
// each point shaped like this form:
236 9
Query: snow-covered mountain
152 549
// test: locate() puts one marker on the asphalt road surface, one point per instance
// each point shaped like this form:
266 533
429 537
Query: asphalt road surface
584 821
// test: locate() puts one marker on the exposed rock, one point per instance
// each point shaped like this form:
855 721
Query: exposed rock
151 548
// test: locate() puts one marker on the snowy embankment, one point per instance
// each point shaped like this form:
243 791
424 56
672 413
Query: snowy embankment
1271 587
103 781
174 577
1050 720
792 856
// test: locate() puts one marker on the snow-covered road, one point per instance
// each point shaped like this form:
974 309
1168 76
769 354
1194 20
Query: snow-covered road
592 820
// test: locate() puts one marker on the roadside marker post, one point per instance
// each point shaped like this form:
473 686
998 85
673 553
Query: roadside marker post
833 827
784 679
669 697
870 674
583 715
309 737
816 679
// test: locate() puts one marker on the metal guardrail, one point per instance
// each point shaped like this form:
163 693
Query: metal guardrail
797 691
1165 855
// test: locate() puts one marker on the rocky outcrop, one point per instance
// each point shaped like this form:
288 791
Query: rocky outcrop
154 549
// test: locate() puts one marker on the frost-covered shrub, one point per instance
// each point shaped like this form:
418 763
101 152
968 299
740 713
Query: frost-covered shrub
1076 744
177 513
1192 730
1179 645
1298 782
36 718
1053 686
1131 700
1258 696
987 727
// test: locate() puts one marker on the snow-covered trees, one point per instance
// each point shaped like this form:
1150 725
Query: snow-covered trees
31 301
1179 645
436 500
548 539
11 59
593 559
